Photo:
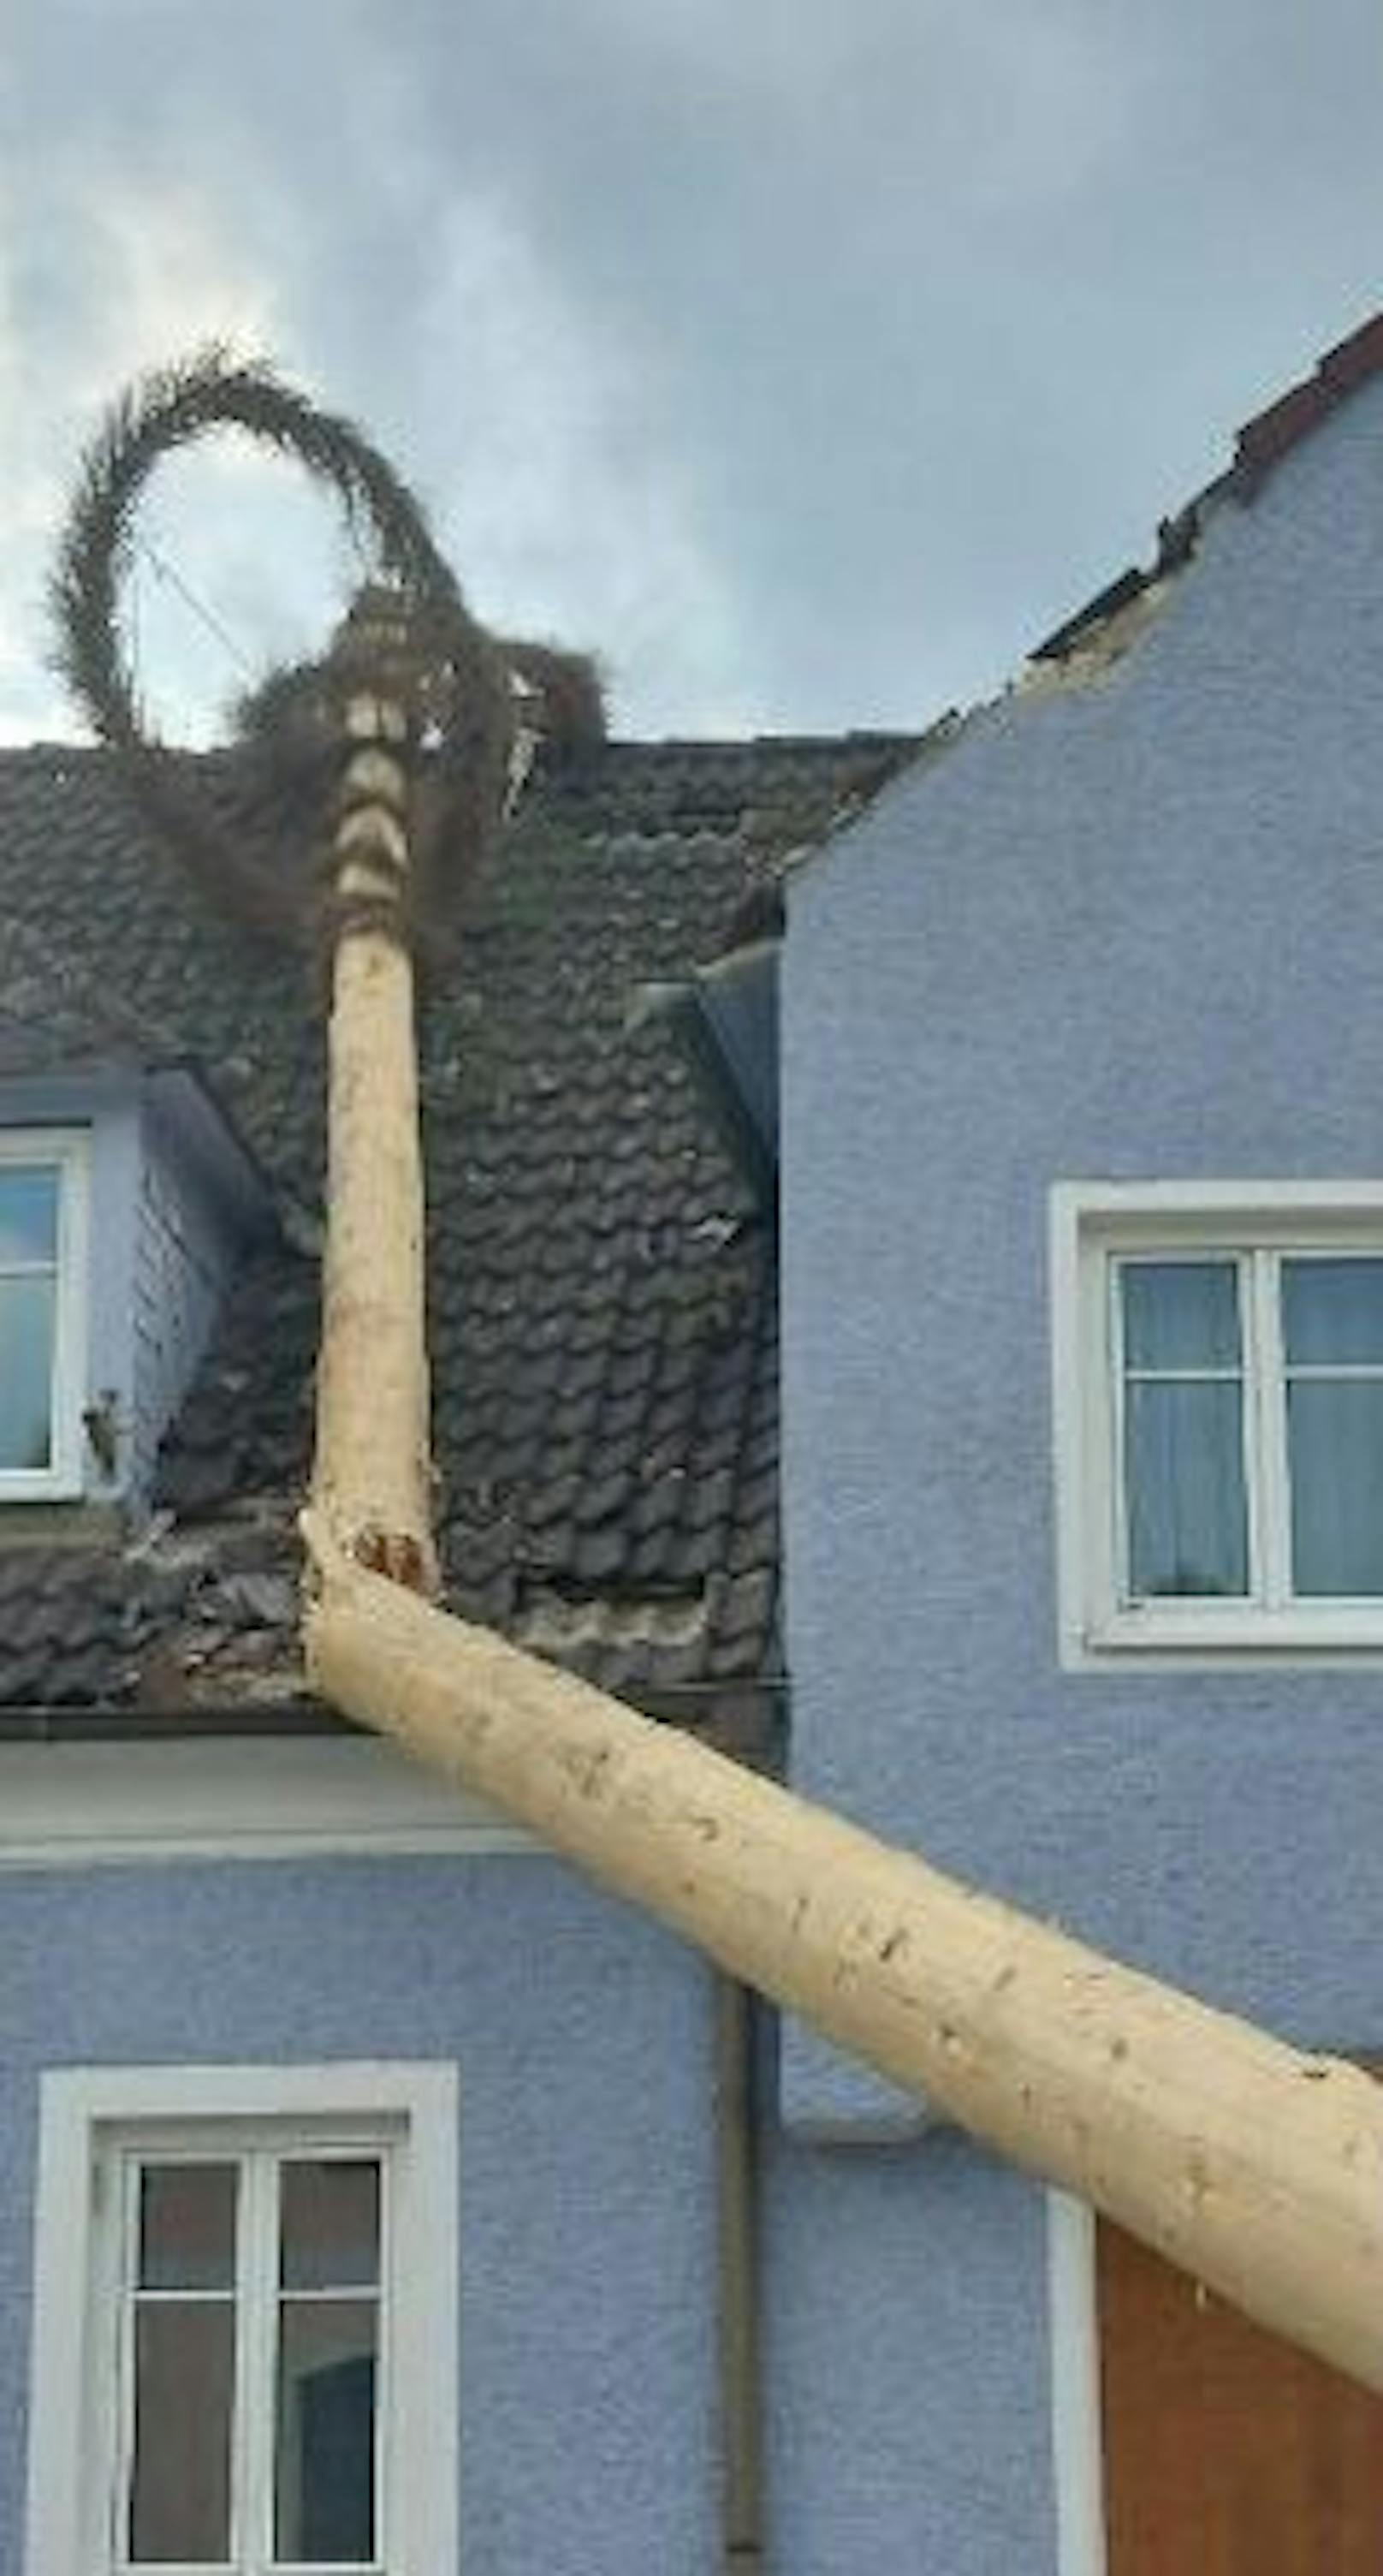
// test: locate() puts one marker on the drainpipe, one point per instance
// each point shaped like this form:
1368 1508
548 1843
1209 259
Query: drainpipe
737 2251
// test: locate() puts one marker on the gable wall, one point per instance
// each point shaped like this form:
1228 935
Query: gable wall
184 1252
1135 930
1129 930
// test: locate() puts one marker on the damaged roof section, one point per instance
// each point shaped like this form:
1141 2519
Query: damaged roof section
1097 636
602 1272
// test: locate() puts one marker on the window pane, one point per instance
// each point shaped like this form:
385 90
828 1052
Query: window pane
1332 1311
28 1214
26 1372
330 2225
1180 1314
1184 1490
324 2487
184 2387
187 2227
1335 1444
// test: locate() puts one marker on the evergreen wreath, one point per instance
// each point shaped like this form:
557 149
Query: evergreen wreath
465 681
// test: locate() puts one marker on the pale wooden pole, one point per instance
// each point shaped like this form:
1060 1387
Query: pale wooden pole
1255 2168
372 1476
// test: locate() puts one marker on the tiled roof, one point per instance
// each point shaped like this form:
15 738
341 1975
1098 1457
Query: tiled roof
603 1297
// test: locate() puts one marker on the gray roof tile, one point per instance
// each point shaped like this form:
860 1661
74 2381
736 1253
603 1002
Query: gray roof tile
601 1284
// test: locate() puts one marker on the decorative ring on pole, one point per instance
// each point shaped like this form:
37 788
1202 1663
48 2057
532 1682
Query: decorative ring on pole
166 411
151 420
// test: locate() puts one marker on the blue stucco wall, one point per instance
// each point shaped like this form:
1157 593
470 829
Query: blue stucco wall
187 1236
907 2363
1127 930
583 2042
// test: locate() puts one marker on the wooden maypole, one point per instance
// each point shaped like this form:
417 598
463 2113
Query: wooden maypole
1254 2167
1257 2169
372 1474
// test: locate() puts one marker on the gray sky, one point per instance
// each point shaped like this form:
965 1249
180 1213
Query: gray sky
807 360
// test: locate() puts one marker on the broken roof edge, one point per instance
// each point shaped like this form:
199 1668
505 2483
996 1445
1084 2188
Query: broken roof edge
1097 636
1273 432
1260 445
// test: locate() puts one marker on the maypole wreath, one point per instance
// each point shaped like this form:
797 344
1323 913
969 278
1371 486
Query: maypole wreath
464 678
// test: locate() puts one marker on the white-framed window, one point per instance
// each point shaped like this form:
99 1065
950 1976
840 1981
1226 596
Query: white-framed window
1219 1417
43 1298
244 2341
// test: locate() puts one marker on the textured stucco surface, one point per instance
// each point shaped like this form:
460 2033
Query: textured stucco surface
1127 930
906 2351
184 1257
582 2039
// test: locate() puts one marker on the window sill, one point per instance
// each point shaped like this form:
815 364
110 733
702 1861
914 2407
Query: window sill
20 1489
1337 1632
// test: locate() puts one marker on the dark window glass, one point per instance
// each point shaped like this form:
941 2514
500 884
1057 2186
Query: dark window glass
28 1216
1181 1314
187 2227
184 2353
324 2486
26 1372
1335 1444
1332 1313
330 2225
1184 1475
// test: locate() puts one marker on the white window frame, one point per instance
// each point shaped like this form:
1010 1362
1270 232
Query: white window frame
1077 2429
67 1150
91 2119
1092 1226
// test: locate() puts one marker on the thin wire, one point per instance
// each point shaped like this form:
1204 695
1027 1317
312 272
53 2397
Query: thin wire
364 560
169 573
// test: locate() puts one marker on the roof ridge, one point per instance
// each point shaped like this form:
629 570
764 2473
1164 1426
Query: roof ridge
1259 446
824 744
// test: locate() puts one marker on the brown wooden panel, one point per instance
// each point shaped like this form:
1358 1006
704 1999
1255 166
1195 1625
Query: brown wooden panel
1227 2452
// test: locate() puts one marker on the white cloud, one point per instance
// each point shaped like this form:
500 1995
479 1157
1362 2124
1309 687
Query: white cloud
807 357
565 509
149 275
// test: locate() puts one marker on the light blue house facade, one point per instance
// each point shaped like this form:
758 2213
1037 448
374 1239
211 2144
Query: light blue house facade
445 2208
533 2066
1083 1261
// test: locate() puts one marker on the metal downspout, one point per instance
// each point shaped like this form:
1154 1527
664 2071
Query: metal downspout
741 2408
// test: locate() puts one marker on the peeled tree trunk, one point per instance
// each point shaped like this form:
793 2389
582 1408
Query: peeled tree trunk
372 1476
1255 2168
